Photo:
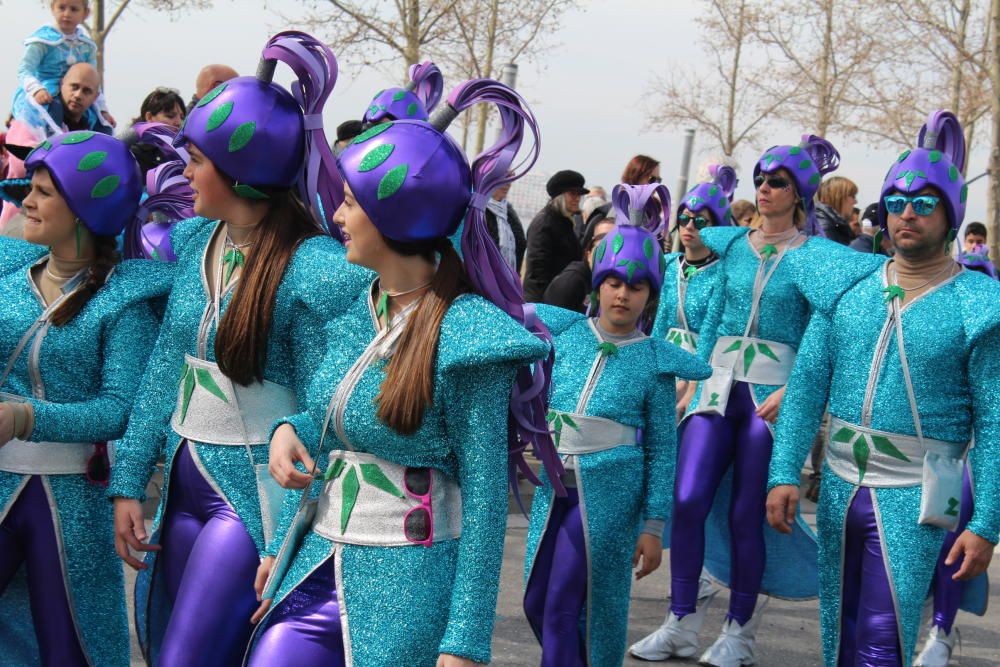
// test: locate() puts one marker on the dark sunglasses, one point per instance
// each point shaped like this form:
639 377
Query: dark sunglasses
922 204
418 524
99 465
773 182
701 222
654 179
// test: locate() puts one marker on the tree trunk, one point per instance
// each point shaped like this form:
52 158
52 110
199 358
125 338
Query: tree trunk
993 199
491 38
411 29
730 143
98 35
826 58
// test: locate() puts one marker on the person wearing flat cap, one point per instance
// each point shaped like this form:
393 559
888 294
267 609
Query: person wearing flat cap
552 243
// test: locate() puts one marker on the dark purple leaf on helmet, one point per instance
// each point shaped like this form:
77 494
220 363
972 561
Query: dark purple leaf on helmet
376 157
371 132
219 116
241 136
215 92
92 161
76 138
105 186
392 181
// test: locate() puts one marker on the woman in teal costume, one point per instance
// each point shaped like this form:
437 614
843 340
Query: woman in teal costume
252 292
692 277
612 414
771 276
901 425
401 563
71 317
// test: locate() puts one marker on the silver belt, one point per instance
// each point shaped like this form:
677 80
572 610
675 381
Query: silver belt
757 361
48 458
581 434
364 502
212 409
866 457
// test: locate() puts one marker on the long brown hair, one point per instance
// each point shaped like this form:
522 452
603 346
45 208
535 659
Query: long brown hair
408 387
106 258
241 341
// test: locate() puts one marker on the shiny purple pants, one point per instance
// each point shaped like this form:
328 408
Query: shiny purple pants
28 536
947 591
557 589
868 629
709 445
208 563
304 630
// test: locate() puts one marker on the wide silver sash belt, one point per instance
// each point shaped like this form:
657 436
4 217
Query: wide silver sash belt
580 434
48 458
866 457
212 409
364 502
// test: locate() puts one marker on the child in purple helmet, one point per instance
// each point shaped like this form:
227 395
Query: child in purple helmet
256 280
414 101
400 563
71 320
614 424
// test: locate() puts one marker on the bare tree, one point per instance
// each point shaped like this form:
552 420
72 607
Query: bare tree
822 49
490 33
371 32
993 212
728 31
104 14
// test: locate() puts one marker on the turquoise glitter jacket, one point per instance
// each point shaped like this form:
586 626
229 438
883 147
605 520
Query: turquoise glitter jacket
808 277
952 339
697 289
318 285
623 487
406 605
81 382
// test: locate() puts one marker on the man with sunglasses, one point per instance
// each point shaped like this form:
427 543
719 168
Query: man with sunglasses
900 428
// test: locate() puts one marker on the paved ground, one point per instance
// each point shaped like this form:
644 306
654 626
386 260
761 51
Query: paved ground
788 636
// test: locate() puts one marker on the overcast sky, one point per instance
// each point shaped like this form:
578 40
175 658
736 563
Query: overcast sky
588 96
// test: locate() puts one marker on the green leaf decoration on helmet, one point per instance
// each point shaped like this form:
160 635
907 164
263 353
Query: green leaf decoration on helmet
92 161
242 136
219 116
105 186
215 92
375 157
392 181
371 132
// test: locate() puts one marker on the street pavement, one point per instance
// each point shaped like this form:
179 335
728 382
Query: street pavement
789 635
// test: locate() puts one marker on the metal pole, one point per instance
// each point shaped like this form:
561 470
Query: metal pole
682 178
508 77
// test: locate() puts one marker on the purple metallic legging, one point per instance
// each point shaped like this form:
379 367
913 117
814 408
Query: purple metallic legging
709 445
305 630
947 591
28 536
208 562
868 631
557 590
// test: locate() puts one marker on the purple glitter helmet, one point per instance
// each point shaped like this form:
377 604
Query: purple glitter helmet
978 260
413 102
631 251
415 184
97 176
806 163
937 161
714 196
264 137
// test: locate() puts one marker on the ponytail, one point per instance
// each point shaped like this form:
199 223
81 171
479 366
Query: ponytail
408 387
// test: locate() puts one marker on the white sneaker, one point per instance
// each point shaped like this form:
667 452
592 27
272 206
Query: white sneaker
734 647
676 638
937 650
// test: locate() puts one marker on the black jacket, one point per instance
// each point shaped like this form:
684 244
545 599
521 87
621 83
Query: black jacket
865 243
552 245
515 226
833 224
570 288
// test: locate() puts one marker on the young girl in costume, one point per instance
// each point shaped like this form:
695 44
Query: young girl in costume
750 336
49 52
71 319
256 280
414 101
401 565
614 423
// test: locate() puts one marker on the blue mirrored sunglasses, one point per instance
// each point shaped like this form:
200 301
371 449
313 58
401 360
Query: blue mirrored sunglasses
922 204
